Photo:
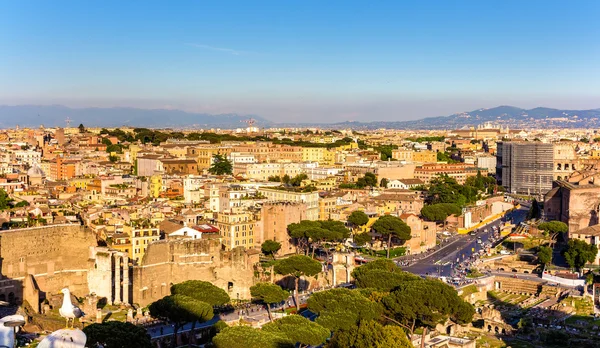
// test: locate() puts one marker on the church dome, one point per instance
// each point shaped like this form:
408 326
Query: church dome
36 171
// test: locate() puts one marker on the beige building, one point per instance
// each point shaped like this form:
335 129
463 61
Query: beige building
423 234
311 199
237 229
460 172
275 218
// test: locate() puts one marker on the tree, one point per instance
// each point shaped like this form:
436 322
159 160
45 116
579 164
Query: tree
317 232
544 255
370 179
4 200
201 291
370 334
342 309
268 293
81 128
181 309
579 253
246 336
392 226
440 211
113 158
270 247
220 165
534 211
554 229
383 183
298 266
358 218
362 238
117 334
299 330
425 303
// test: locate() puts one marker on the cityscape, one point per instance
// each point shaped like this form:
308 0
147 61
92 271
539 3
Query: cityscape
286 176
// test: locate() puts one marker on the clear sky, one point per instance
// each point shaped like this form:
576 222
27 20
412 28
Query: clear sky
302 60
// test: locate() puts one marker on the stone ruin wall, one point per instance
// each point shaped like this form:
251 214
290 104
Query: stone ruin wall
174 261
55 256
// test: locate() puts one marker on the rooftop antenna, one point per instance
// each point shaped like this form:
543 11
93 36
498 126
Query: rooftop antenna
68 120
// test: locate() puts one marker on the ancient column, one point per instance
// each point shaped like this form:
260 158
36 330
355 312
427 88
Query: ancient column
126 299
117 279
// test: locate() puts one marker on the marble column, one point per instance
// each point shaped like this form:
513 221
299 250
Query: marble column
126 299
117 280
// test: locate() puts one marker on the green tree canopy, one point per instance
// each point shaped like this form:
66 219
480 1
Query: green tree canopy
554 227
117 334
579 253
392 227
370 334
299 330
379 264
269 294
4 200
298 266
362 238
220 165
270 247
248 337
327 231
534 211
181 309
81 128
358 218
440 211
383 183
201 291
544 255
342 309
384 280
425 303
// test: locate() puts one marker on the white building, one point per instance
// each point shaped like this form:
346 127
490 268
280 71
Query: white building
239 157
27 156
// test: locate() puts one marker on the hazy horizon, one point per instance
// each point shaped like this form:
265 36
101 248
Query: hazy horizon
302 62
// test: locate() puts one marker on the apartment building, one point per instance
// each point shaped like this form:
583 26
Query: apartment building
460 172
311 199
237 229
525 167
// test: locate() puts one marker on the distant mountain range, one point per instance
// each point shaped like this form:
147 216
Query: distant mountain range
55 115
510 116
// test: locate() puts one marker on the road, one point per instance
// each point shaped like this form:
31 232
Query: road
441 262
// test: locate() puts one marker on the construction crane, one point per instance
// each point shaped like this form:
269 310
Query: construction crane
68 120
250 122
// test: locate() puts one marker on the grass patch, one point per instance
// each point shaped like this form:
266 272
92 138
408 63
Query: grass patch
469 290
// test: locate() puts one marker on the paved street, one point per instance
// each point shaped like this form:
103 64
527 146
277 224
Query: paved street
440 262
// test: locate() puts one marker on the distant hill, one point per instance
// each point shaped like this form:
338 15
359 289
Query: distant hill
511 116
55 115
514 117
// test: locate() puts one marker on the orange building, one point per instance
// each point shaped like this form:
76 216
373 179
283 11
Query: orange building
61 169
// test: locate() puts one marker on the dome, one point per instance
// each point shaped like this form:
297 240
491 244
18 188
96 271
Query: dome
35 170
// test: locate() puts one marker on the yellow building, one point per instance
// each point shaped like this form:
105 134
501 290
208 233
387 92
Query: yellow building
204 154
140 239
155 186
237 229
80 183
425 156
313 154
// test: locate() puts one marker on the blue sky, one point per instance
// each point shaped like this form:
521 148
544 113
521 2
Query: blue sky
302 60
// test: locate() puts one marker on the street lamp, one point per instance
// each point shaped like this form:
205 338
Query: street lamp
14 324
